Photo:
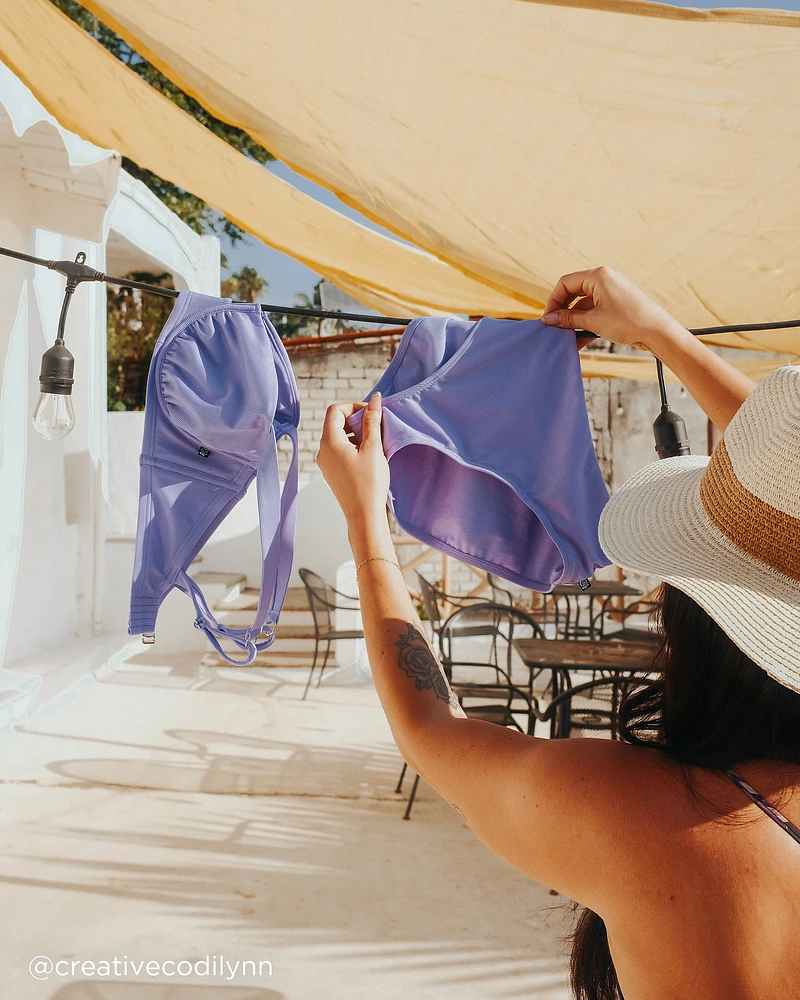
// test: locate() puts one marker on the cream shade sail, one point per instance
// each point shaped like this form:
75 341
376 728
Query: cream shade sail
598 365
521 140
508 217
94 95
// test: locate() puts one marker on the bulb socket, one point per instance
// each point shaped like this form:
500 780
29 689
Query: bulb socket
58 367
672 438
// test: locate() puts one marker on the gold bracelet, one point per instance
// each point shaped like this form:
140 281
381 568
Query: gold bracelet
377 559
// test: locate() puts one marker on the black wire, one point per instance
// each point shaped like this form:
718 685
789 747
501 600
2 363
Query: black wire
746 328
91 275
284 310
662 385
333 314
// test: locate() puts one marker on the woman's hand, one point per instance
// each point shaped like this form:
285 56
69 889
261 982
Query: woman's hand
614 308
358 474
611 306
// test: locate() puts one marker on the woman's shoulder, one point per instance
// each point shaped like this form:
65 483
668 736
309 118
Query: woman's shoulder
644 804
685 815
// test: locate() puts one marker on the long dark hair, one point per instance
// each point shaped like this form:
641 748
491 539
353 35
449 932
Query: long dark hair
710 707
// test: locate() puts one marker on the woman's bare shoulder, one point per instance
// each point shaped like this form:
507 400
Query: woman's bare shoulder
648 816
606 813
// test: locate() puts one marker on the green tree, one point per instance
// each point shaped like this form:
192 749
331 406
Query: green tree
135 320
245 285
195 212
299 326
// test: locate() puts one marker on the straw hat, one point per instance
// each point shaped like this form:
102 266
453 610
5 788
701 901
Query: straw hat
726 530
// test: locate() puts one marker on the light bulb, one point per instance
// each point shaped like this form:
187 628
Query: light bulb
54 416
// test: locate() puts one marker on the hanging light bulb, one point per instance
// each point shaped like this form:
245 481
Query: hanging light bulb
54 416
669 427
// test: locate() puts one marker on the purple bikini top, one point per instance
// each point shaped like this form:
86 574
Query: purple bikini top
220 393
490 452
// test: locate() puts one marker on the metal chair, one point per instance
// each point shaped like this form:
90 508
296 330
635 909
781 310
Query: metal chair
646 605
498 698
322 601
565 716
431 598
505 624
500 594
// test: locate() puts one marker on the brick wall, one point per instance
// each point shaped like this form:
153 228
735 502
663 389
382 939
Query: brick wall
337 373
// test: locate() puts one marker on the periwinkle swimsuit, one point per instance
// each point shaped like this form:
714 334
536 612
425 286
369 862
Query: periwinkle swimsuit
220 394
489 447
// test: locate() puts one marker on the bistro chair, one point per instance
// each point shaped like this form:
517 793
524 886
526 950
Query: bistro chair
568 714
433 597
484 686
500 594
469 672
322 602
644 606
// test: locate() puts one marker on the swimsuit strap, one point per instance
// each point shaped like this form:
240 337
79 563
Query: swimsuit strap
763 805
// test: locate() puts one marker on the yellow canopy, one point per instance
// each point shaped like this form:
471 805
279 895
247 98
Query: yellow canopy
96 96
521 140
597 365
512 140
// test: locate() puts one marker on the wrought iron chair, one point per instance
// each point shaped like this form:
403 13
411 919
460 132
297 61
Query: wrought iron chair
432 597
496 698
567 714
500 594
322 601
645 605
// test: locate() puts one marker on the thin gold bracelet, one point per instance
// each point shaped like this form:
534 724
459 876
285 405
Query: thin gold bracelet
364 562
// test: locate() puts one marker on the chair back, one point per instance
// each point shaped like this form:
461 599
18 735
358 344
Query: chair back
321 600
500 594
591 706
429 602
480 661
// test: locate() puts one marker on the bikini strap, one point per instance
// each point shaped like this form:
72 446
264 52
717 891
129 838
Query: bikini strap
763 805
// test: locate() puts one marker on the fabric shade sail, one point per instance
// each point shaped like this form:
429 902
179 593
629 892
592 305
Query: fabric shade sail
521 140
512 141
598 365
96 96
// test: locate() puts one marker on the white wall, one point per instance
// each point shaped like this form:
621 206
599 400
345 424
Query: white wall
53 509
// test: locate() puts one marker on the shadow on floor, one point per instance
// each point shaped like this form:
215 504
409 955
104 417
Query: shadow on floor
89 990
349 882
226 763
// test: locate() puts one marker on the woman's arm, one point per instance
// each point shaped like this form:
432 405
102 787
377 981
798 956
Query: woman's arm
615 309
410 682
558 810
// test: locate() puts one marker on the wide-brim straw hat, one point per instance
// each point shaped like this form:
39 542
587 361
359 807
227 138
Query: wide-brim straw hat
726 530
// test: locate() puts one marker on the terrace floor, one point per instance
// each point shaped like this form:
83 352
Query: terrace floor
164 810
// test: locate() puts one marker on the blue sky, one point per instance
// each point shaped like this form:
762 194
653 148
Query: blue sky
287 276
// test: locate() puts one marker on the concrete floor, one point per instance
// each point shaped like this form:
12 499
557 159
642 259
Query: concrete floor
167 811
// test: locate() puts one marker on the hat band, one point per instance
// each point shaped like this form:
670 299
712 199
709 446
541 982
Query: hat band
754 526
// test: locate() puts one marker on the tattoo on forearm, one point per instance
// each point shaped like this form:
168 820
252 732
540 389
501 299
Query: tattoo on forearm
418 662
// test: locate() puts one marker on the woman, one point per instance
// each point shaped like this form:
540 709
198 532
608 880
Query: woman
691 881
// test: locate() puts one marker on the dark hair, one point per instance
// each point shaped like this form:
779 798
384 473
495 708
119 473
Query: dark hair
710 707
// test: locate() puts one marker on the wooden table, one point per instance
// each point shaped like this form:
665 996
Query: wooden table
602 590
560 656
597 654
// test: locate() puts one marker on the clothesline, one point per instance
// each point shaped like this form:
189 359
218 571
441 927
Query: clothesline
77 271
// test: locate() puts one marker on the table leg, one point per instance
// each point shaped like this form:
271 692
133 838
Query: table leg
554 694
